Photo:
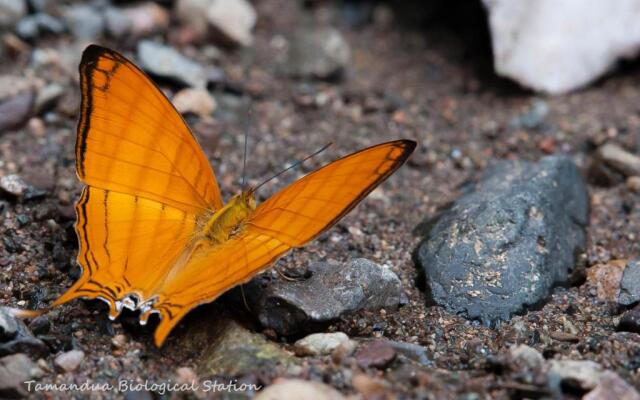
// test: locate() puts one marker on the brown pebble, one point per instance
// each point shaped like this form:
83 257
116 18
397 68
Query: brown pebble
633 184
376 354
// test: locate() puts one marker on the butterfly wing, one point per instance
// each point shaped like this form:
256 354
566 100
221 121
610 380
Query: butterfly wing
148 182
290 218
132 140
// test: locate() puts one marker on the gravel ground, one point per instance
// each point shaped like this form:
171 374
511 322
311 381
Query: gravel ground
429 82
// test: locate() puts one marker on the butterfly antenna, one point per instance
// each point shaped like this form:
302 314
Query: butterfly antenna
295 164
246 140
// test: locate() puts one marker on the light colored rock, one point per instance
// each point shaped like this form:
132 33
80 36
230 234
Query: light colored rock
137 21
84 21
11 11
633 184
611 386
193 13
8 325
70 360
318 344
526 356
582 373
294 389
556 46
165 61
14 371
318 53
194 101
233 19
619 159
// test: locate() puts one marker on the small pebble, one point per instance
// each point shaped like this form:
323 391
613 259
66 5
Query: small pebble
376 354
318 344
633 184
70 360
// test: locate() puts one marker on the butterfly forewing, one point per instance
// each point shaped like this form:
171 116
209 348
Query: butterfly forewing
132 140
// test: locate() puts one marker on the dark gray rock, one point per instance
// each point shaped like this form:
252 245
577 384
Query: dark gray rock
321 53
168 63
15 370
504 244
630 284
20 339
630 321
331 291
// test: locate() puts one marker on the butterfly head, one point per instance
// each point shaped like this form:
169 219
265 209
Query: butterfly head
247 199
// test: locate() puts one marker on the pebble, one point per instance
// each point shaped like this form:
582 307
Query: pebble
193 13
69 361
319 344
523 355
39 24
606 278
119 341
47 97
194 101
412 351
11 11
16 110
376 354
166 62
17 187
237 351
368 387
40 325
318 53
137 21
508 240
630 321
234 20
633 184
8 325
294 389
582 374
84 21
14 371
630 284
534 117
186 375
619 159
612 386
331 291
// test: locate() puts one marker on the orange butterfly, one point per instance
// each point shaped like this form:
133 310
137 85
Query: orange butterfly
154 233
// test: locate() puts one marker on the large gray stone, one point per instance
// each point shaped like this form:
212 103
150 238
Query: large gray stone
15 370
504 244
331 291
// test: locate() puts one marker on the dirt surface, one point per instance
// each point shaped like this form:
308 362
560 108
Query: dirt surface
429 82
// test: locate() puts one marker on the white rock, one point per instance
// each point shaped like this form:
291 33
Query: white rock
70 360
194 101
319 343
586 374
556 46
294 389
11 11
234 19
527 356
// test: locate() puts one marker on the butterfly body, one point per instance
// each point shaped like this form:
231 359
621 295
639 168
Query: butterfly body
230 219
154 233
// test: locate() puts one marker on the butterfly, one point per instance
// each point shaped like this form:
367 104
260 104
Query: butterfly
154 233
